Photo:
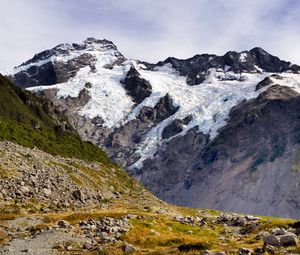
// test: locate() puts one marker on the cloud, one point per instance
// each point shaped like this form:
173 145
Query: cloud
151 30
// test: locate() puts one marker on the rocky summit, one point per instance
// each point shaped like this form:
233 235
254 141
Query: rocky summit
219 132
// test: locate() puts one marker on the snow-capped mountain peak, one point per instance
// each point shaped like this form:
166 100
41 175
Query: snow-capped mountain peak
202 89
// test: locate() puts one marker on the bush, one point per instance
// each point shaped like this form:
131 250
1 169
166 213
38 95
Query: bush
193 247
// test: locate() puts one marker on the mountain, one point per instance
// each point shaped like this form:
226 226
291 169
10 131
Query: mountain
209 131
61 195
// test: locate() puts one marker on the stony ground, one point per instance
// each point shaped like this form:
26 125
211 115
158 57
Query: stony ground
53 205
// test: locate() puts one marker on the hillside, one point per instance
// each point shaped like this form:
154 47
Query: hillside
33 122
55 205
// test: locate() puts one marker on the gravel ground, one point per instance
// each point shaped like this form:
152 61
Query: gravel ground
41 244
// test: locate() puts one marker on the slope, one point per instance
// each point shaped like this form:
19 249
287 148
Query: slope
32 121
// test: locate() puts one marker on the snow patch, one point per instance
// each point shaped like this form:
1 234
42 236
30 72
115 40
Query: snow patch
243 57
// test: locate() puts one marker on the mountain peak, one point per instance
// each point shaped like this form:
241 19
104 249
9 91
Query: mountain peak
68 50
62 62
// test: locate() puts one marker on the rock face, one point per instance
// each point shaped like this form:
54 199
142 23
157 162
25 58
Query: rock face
195 68
52 66
137 87
235 171
209 131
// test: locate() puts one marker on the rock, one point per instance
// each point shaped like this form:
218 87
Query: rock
87 246
265 82
137 87
78 195
291 230
244 251
63 224
270 249
258 251
153 232
24 189
278 231
271 240
132 216
47 192
59 247
129 249
288 240
68 247
190 232
205 252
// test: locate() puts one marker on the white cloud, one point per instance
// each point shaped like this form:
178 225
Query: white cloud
151 30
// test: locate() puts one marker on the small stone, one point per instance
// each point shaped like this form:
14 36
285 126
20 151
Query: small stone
270 249
205 252
63 224
131 216
68 247
244 251
78 195
58 247
190 232
129 249
152 231
258 251
87 246
47 192
24 189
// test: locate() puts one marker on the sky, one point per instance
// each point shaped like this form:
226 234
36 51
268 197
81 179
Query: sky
151 30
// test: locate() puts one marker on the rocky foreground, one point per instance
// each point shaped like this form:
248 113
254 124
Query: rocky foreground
54 205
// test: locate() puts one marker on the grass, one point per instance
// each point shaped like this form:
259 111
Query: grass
160 231
31 121
5 173
160 234
4 238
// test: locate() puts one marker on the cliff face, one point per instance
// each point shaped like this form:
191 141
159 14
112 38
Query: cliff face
252 165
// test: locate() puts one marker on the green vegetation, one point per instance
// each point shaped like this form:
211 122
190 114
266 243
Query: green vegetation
193 247
30 121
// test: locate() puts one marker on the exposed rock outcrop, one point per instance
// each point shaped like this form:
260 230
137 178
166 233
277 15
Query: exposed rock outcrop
234 171
137 87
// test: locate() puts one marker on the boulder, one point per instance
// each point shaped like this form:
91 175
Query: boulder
288 240
278 231
271 240
78 195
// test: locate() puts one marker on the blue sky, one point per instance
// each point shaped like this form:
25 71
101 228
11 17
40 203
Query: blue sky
151 30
